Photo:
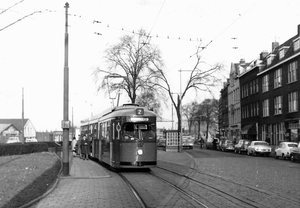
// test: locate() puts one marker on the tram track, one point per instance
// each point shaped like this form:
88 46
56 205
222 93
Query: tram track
236 194
135 193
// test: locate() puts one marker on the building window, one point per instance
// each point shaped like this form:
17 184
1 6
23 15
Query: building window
270 59
297 44
265 105
278 105
281 53
277 78
256 85
293 101
292 72
265 83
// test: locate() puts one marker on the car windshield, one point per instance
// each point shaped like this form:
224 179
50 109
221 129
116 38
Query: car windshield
261 143
292 145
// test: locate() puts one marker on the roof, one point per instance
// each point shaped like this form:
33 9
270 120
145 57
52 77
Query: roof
16 122
290 53
5 126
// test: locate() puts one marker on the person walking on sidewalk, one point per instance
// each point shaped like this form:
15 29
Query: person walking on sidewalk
85 148
78 144
74 146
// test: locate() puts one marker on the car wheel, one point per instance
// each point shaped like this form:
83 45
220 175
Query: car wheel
292 158
276 157
283 157
267 155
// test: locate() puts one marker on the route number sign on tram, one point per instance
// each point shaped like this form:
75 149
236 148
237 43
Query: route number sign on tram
139 111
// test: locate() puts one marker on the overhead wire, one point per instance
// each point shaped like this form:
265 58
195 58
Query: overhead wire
206 46
5 10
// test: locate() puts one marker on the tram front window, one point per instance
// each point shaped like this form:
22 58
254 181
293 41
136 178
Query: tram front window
133 131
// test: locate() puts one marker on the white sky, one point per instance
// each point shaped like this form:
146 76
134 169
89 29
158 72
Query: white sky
32 50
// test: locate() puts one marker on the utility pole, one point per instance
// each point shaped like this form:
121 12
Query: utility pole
66 122
22 134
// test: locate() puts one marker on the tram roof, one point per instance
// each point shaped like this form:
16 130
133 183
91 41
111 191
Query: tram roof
125 110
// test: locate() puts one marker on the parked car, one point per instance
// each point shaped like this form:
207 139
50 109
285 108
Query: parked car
188 141
227 145
241 146
31 140
259 148
284 149
161 142
13 140
295 153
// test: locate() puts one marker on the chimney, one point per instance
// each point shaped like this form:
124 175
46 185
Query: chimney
263 55
242 62
274 45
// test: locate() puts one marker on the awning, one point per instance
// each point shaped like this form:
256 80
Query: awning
249 129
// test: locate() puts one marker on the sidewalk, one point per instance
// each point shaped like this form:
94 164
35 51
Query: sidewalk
91 185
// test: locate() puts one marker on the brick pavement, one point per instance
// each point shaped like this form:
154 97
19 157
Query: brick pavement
91 185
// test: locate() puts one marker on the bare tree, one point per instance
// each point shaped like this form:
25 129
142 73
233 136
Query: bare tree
199 79
134 60
188 111
209 109
149 99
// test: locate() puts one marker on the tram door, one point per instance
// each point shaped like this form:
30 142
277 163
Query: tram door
105 142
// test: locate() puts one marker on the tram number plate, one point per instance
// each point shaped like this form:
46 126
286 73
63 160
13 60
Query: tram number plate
140 144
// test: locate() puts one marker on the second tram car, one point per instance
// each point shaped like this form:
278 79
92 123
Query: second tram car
123 137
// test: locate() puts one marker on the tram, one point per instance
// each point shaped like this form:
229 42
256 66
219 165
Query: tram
123 137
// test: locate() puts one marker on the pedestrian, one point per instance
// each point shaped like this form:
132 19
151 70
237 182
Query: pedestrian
214 143
78 144
201 142
73 144
85 148
268 140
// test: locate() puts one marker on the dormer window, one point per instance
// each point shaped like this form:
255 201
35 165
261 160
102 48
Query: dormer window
297 44
282 51
270 59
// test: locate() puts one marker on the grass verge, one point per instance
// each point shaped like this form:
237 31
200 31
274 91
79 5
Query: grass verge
26 177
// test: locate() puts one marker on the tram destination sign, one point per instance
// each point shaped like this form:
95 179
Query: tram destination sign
137 119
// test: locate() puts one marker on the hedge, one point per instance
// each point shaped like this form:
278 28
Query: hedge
26 148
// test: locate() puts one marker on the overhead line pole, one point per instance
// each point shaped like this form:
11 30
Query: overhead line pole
66 122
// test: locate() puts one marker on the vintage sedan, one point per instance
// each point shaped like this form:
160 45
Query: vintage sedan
188 141
13 140
259 148
241 146
284 149
227 145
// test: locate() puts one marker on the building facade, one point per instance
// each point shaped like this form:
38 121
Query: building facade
279 96
250 99
267 93
223 111
234 108
29 130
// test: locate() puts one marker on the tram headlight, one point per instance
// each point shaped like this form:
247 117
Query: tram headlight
140 152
